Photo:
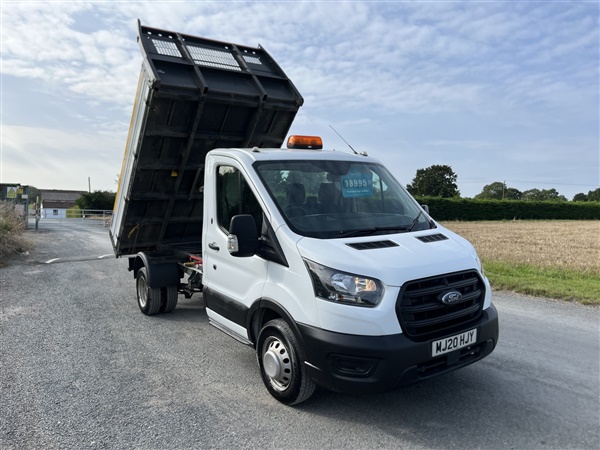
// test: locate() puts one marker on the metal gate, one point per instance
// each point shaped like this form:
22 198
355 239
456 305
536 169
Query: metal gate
76 218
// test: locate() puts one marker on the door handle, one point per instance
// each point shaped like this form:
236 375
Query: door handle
213 246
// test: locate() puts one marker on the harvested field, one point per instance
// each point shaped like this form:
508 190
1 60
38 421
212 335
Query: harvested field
571 245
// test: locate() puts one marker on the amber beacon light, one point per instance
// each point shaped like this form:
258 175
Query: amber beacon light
307 142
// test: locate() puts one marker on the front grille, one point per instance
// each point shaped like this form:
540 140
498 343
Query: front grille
422 314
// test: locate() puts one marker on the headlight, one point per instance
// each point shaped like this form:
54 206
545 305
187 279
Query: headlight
479 264
342 287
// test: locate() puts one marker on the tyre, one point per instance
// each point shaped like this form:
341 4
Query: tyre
149 299
168 299
281 366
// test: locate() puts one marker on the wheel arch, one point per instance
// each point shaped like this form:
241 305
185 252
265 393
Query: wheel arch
264 310
160 274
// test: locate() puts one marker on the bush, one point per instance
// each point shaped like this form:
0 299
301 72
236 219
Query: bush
12 227
99 200
74 213
467 209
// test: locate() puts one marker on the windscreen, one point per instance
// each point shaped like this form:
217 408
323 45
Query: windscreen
328 199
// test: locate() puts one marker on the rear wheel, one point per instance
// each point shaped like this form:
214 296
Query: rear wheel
168 299
149 299
281 366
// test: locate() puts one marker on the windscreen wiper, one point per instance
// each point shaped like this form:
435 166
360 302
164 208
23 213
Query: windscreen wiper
369 231
414 222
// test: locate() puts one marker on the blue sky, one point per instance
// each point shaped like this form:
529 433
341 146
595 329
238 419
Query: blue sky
498 90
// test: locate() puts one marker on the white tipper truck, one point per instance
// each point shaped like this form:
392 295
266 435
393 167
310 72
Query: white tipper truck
320 260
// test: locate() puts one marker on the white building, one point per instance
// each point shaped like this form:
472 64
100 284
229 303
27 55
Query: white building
55 203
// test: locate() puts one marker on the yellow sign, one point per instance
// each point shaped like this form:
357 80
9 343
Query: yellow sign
11 192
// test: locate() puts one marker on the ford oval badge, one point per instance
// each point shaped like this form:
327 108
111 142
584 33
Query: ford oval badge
452 297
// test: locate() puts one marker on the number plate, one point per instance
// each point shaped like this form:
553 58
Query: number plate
452 343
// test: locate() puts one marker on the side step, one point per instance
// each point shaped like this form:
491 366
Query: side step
230 333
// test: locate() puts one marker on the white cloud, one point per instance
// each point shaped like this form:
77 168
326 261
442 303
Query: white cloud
60 159
407 57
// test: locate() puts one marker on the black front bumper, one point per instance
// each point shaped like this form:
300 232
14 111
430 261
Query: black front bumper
370 364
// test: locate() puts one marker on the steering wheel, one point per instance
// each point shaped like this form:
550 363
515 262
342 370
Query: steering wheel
295 211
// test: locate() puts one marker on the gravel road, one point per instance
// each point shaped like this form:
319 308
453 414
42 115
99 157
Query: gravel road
81 367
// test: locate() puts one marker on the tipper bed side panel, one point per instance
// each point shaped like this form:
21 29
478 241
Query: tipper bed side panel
194 95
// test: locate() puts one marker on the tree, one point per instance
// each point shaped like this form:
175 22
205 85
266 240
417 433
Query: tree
512 194
543 195
499 191
531 194
434 181
102 200
581 197
594 196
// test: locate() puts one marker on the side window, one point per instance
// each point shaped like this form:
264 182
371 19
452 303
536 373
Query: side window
234 196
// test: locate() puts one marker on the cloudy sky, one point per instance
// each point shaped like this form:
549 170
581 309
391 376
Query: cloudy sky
498 90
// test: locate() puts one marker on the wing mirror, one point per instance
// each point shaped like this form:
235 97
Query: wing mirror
242 240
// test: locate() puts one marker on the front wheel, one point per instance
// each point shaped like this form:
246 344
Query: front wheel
281 366
149 299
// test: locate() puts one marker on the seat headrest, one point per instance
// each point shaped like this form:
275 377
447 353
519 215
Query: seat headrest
328 193
296 193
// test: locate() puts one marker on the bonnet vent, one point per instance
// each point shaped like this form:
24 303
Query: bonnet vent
372 245
432 238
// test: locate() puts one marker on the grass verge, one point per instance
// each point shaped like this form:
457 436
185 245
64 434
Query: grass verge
545 282
550 258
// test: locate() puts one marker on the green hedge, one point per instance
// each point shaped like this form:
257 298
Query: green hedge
471 209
